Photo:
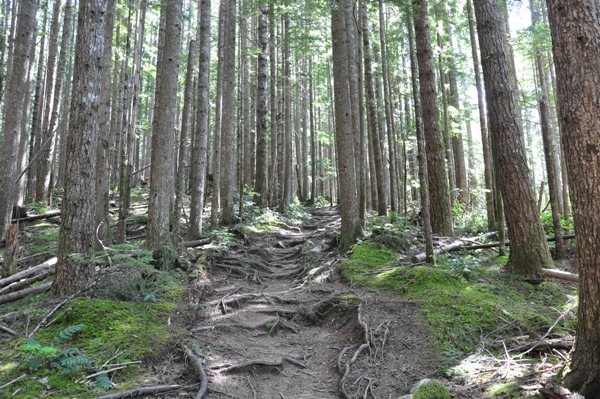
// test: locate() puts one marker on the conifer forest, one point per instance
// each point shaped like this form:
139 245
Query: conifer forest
310 199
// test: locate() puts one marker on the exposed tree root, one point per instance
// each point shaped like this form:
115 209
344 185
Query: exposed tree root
259 362
317 310
200 369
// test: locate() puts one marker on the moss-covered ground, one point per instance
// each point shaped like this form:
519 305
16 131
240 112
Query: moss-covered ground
470 306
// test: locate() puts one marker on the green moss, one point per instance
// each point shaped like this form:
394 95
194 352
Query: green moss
500 260
432 390
462 301
165 258
509 390
366 258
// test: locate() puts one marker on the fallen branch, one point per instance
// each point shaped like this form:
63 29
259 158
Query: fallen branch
197 243
259 362
87 377
561 275
200 369
558 343
13 381
47 215
15 296
153 390
50 263
18 285
440 250
7 330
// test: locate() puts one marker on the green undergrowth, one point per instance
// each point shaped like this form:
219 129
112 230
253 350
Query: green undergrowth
465 301
135 331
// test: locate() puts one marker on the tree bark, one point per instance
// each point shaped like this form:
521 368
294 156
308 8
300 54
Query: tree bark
101 217
199 155
229 120
550 153
421 156
262 187
162 136
76 239
351 228
441 210
575 33
529 250
374 133
487 157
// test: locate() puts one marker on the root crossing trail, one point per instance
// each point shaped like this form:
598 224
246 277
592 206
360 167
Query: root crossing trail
276 321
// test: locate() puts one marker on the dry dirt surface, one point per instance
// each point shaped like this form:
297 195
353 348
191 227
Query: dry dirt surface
277 321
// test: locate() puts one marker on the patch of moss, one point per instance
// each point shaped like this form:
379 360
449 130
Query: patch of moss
165 258
509 390
463 302
366 258
432 390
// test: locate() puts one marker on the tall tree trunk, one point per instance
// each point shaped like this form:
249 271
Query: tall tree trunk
389 115
217 136
421 151
162 137
199 160
228 126
77 227
550 152
101 215
441 210
457 138
36 119
262 187
47 148
351 228
287 119
11 128
274 173
487 157
529 249
185 125
374 133
576 44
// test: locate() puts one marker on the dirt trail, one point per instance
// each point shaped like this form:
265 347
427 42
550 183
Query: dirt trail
277 322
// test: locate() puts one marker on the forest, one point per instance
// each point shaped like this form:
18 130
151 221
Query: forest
299 199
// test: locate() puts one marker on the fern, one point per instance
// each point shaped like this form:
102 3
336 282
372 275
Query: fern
103 382
68 332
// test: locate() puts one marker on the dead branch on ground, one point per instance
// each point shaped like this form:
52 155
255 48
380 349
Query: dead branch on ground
15 296
50 263
153 390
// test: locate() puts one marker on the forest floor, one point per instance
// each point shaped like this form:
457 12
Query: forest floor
272 310
280 323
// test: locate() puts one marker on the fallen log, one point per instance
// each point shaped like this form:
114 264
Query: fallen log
37 217
197 243
440 250
561 275
50 263
457 246
19 285
15 296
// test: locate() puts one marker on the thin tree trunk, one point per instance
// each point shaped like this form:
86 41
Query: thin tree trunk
228 126
287 119
374 133
262 187
487 157
550 152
